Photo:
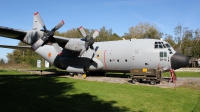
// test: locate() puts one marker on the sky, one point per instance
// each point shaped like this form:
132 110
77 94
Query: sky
119 15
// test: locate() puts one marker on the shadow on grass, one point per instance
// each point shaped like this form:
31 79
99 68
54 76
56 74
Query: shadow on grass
34 93
2 70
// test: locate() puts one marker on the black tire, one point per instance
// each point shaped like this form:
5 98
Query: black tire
153 82
71 74
139 80
134 81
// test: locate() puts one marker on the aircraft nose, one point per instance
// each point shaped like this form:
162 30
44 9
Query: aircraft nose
178 60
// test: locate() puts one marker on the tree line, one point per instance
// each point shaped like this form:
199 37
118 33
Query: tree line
185 41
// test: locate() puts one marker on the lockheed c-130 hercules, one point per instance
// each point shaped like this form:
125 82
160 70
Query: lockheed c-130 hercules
81 55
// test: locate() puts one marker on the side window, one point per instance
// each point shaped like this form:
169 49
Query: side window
165 54
161 54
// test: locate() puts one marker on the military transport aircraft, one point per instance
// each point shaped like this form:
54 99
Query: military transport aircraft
81 55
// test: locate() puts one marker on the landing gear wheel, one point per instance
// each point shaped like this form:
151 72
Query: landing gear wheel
71 74
152 82
84 76
134 81
139 80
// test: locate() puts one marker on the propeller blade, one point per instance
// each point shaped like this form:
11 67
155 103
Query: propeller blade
82 51
94 51
95 34
82 31
60 24
38 17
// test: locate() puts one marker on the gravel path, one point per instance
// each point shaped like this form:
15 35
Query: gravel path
194 82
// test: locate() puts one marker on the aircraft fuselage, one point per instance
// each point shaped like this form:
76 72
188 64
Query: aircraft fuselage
117 56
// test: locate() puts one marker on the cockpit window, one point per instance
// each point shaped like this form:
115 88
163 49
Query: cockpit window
159 45
167 45
163 45
169 48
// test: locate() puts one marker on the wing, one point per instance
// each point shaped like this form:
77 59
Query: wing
12 33
16 47
20 34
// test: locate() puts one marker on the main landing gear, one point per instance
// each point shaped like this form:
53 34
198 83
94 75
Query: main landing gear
81 75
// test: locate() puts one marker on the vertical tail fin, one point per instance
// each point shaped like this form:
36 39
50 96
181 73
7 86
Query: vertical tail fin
36 24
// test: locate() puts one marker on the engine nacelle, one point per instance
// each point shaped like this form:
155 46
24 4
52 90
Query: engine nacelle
75 45
32 36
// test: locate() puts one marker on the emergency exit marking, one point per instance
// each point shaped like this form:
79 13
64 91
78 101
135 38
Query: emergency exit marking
49 54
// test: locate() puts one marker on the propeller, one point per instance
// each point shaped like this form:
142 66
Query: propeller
88 41
48 34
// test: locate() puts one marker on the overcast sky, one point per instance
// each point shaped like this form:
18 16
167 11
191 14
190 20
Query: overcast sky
119 15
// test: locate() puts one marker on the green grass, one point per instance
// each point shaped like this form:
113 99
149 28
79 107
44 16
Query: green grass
183 74
33 93
11 72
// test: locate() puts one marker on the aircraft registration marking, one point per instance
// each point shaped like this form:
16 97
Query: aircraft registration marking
49 54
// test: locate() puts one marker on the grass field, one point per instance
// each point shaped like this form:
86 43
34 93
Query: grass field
24 92
184 74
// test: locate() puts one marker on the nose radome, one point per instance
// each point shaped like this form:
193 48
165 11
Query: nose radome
178 60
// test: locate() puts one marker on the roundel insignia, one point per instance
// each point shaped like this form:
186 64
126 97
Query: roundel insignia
49 54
